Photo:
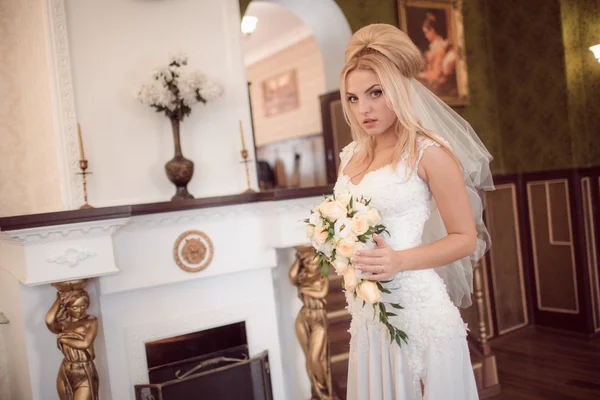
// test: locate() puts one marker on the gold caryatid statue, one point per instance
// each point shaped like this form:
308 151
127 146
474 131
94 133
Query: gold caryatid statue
76 331
311 323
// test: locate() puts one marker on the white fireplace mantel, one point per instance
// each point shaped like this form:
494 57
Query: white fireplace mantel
140 294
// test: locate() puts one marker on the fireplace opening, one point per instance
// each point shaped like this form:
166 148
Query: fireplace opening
197 344
210 364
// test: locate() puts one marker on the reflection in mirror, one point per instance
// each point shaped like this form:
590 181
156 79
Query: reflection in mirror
285 71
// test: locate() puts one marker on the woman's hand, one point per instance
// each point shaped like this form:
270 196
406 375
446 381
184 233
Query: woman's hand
383 262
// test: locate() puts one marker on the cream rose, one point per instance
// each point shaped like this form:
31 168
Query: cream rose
373 216
346 246
360 225
320 235
340 264
344 199
350 279
369 292
332 210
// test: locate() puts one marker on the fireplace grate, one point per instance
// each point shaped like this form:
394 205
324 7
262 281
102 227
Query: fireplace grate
226 375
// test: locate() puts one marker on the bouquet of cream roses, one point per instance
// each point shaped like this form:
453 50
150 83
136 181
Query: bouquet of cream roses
337 228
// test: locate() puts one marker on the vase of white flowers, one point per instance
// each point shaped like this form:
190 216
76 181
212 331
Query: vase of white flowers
173 91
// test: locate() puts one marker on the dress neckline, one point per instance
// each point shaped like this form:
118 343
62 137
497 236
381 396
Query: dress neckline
364 176
343 169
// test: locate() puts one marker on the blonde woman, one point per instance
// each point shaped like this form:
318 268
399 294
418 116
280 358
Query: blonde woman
424 169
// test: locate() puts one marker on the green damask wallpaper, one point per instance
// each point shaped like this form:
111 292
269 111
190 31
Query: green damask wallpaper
531 91
581 29
534 85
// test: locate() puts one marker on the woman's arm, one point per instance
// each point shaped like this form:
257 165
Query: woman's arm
441 172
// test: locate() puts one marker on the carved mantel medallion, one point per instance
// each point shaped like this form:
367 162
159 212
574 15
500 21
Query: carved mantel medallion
193 251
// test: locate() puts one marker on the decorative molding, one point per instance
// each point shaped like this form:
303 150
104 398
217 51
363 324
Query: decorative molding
138 336
553 241
266 208
66 232
71 258
591 252
64 100
546 184
513 190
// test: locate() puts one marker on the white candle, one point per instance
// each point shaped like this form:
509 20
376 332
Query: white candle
242 135
81 153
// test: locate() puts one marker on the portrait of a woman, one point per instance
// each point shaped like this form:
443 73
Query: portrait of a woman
431 30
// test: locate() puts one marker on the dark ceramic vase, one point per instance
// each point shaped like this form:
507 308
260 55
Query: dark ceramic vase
179 169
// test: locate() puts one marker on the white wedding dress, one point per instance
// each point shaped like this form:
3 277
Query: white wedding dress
437 352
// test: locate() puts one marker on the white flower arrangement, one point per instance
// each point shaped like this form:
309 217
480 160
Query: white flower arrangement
337 228
175 89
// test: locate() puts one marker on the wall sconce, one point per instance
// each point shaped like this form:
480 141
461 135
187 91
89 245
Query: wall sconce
248 24
596 50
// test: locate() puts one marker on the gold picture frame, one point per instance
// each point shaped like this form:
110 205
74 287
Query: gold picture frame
436 27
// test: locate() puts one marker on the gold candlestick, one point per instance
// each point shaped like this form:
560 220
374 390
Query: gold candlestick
83 165
245 160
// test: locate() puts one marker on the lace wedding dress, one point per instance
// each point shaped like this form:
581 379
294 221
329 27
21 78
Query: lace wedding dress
437 353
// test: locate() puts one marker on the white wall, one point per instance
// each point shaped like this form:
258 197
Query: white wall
4 381
13 337
29 162
114 47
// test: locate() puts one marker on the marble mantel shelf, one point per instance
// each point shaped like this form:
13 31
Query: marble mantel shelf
118 243
125 211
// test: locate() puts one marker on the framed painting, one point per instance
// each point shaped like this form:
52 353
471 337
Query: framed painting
436 27
280 93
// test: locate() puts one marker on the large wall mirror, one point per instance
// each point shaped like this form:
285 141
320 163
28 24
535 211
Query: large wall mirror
293 55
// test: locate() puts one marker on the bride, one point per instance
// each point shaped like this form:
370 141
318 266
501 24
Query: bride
424 169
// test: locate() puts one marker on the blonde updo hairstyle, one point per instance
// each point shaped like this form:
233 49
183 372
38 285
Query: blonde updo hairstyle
394 58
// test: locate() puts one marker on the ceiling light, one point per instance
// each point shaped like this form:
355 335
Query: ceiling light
248 24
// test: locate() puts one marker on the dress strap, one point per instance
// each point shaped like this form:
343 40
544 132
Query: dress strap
346 154
424 142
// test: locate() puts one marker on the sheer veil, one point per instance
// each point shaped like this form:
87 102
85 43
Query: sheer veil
437 117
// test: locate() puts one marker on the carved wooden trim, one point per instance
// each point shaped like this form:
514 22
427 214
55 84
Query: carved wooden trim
546 184
65 120
591 251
